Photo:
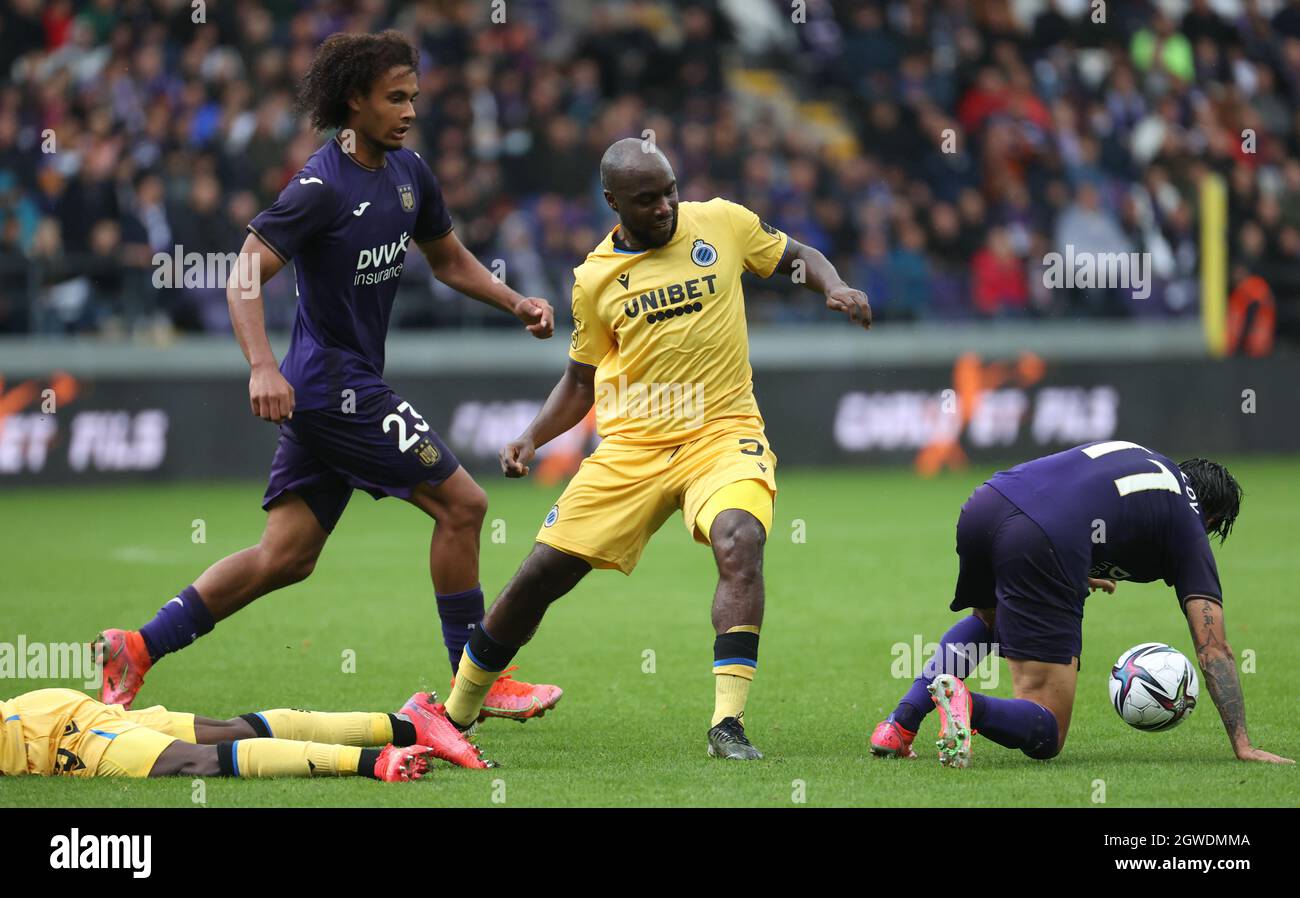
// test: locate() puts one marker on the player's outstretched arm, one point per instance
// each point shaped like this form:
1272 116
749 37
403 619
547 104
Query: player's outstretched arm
568 404
456 267
820 275
1205 618
269 394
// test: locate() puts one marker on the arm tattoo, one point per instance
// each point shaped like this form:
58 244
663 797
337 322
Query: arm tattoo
1221 679
1206 634
1219 668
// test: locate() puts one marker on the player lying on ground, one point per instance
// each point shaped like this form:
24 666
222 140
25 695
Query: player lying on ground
1032 542
345 219
62 732
659 347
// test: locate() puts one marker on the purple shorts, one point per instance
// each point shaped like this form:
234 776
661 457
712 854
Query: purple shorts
1008 563
383 447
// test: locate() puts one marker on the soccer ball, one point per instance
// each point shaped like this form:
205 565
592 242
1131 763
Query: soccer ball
1153 687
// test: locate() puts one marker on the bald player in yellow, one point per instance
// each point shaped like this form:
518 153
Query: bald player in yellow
660 349
63 732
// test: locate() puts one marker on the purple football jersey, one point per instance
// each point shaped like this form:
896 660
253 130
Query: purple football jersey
1120 511
347 229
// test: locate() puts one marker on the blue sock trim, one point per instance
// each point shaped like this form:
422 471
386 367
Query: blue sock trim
479 663
487 653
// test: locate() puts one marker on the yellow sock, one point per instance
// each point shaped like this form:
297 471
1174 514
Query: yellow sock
730 692
333 728
262 758
467 696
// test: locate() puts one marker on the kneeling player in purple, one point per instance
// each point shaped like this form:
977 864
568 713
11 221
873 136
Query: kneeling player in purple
345 220
1032 542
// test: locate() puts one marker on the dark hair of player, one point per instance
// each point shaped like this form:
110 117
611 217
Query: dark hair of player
346 65
1218 492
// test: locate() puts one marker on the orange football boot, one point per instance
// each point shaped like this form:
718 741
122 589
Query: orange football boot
434 729
516 700
123 660
402 764
892 740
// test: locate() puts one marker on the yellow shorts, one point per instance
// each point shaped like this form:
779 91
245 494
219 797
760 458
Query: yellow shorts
138 738
177 724
622 494
132 751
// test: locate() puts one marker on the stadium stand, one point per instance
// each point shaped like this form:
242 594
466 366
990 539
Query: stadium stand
937 151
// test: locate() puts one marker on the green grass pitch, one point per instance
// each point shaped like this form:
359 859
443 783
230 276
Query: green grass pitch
874 568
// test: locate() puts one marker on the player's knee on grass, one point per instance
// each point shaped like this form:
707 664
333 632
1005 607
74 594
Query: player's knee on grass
1046 737
737 538
184 759
1050 686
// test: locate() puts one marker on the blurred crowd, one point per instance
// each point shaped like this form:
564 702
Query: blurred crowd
936 150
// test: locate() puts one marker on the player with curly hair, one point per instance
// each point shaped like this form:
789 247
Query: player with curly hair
346 220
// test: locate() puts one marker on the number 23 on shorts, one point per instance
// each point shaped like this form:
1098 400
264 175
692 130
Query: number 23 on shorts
405 440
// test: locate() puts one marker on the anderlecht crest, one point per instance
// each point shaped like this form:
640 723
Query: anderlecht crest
427 454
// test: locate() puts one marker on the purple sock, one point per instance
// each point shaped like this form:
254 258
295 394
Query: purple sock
178 623
1016 723
460 612
967 632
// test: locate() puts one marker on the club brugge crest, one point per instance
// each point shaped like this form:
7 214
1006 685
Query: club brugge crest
703 254
552 516
407 195
427 453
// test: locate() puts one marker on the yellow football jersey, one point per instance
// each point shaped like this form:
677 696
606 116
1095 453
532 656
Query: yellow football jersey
665 327
52 732
13 750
